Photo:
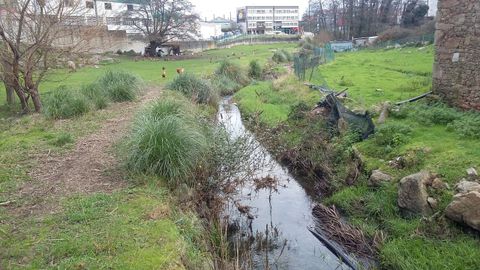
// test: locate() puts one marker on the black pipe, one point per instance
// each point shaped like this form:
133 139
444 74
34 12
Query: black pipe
341 255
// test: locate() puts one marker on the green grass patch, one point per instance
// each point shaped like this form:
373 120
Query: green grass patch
143 232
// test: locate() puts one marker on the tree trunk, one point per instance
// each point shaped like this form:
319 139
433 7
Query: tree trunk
37 103
10 94
151 50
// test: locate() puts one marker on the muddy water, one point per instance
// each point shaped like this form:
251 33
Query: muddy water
280 216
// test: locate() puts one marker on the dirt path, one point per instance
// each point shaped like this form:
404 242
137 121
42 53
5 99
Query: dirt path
90 167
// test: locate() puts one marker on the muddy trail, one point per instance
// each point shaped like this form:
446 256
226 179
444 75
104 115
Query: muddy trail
89 167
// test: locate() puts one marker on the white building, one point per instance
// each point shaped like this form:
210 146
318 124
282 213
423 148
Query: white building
432 8
268 19
114 14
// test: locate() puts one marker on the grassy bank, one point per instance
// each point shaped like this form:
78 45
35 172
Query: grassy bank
430 137
137 226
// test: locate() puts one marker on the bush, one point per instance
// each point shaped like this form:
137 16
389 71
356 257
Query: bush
282 56
191 86
233 72
392 134
224 85
468 126
439 114
96 95
64 103
298 111
279 57
255 70
119 86
165 142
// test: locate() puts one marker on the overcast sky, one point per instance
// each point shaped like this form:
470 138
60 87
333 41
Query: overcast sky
207 8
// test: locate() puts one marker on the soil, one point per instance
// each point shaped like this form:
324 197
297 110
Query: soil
91 166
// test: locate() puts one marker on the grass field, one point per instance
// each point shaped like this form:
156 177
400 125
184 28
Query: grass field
373 77
138 227
151 71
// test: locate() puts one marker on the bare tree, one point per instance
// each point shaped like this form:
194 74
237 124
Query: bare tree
30 32
161 21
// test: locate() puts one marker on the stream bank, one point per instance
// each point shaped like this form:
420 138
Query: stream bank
275 229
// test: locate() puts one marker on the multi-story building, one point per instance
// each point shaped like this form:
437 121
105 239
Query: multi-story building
268 19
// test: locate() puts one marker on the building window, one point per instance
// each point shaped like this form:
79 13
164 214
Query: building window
130 7
108 6
89 4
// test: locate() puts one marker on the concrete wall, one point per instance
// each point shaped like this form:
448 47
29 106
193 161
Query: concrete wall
456 76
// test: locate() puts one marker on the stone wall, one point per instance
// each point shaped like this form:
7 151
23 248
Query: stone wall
456 76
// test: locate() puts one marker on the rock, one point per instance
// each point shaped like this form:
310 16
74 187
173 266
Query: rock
465 186
378 177
472 173
437 183
412 194
432 202
384 113
465 208
71 66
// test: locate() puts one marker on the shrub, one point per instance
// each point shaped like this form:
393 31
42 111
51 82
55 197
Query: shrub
279 57
298 111
119 86
96 95
233 72
434 114
165 142
64 103
255 70
468 126
282 56
224 85
392 134
198 89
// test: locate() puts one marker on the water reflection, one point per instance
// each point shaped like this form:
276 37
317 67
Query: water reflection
276 212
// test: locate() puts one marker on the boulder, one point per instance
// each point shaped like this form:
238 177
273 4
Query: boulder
378 177
432 202
412 194
465 186
465 208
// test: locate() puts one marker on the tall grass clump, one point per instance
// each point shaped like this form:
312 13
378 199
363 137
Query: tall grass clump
282 56
166 141
65 103
196 88
95 94
224 85
233 71
255 70
119 86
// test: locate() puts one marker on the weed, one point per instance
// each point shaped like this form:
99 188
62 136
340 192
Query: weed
434 114
255 70
119 86
233 72
468 126
96 95
282 56
392 134
64 103
166 143
196 88
62 139
224 85
298 111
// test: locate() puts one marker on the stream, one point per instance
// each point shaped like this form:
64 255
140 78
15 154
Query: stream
279 216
